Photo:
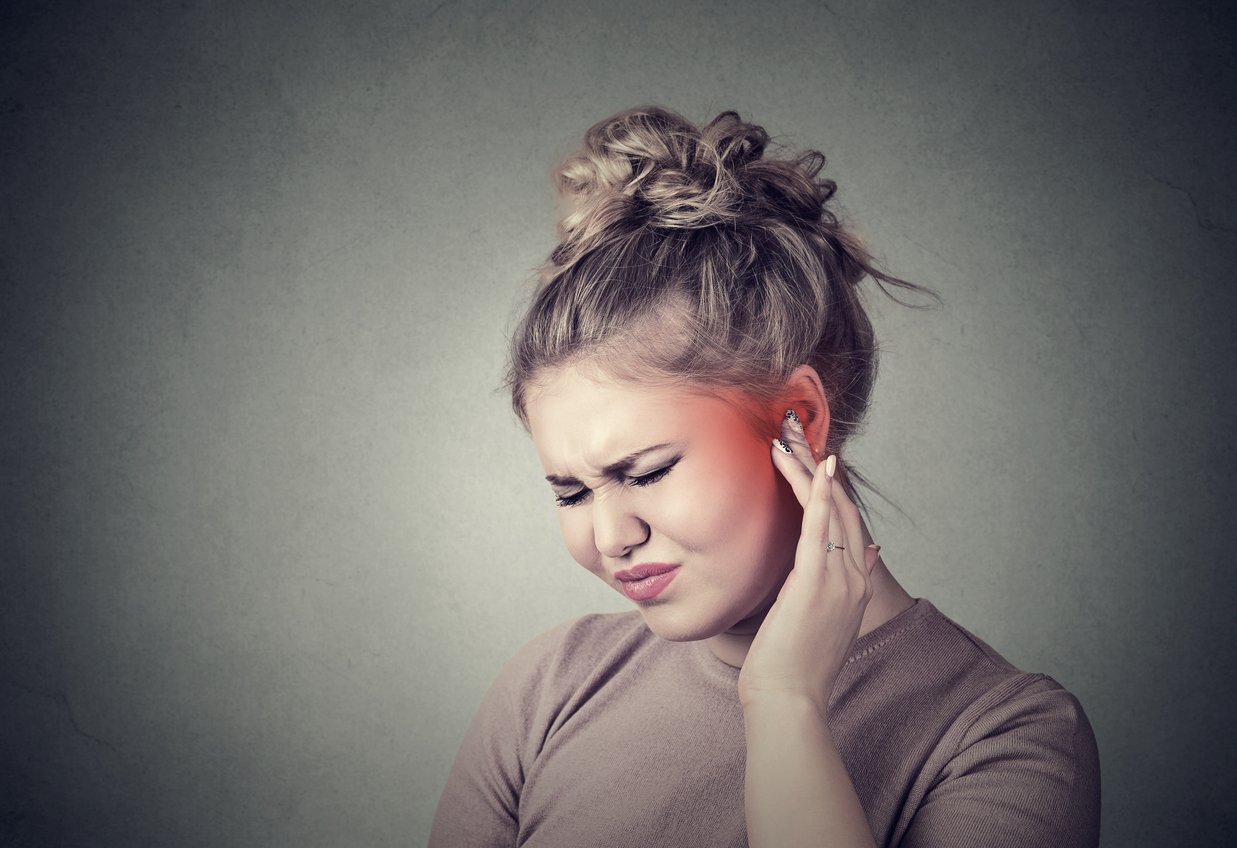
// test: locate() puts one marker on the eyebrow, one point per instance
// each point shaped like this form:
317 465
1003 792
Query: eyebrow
614 469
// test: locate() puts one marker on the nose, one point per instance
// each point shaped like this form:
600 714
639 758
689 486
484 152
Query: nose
616 529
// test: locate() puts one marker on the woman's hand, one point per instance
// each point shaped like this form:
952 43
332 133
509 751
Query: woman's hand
796 787
808 632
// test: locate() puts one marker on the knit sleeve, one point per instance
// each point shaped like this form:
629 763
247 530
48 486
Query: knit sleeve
479 806
1025 772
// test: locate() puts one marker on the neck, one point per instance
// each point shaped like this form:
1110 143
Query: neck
888 600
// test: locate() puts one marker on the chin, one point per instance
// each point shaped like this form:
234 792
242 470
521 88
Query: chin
676 624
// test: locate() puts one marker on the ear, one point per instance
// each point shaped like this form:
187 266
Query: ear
805 394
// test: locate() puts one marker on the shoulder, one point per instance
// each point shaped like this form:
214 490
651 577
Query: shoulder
1005 686
985 753
944 683
1026 748
922 652
941 635
561 654
995 694
1003 739
532 694
546 672
1026 717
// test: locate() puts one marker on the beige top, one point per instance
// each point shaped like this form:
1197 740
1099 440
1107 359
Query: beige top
598 733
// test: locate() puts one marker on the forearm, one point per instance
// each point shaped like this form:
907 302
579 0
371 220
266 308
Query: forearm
797 792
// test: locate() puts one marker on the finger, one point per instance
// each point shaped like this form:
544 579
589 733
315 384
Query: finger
838 559
786 460
793 435
817 514
839 535
853 522
848 515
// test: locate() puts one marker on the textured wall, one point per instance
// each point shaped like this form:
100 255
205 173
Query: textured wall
268 528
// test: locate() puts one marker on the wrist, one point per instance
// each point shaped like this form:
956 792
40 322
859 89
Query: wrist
783 707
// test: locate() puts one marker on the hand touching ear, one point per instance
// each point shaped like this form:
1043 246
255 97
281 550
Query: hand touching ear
807 633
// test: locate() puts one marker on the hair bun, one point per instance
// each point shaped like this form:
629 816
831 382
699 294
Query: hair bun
652 167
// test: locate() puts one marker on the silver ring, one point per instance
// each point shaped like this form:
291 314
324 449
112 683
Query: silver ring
832 547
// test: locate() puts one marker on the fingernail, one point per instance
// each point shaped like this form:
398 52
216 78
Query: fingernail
793 418
875 547
831 464
782 445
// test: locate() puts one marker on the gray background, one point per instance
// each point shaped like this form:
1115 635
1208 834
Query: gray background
268 528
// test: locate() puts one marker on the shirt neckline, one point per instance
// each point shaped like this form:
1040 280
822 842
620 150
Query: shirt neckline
862 647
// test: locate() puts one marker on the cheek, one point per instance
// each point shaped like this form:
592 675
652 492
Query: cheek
577 532
734 500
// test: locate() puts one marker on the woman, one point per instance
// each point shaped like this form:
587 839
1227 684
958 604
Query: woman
690 370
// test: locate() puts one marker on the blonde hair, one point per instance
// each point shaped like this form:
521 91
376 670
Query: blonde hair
687 257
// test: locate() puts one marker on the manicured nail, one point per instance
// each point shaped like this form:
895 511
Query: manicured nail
782 446
875 547
831 464
793 418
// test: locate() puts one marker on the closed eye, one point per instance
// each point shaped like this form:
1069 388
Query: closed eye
652 477
571 500
643 480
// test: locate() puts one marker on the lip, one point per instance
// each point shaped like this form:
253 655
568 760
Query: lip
646 580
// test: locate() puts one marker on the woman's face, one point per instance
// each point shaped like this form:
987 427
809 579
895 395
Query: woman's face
667 496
